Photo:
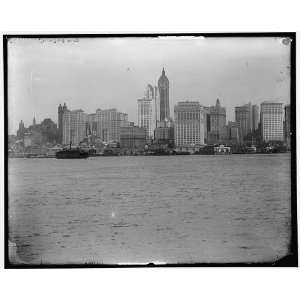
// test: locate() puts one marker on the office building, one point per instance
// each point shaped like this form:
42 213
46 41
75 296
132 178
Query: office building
271 119
132 138
190 123
163 90
255 117
243 116
109 122
217 121
74 126
61 110
164 133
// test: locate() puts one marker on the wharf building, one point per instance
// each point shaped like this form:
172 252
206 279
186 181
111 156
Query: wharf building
190 124
132 138
217 122
271 120
287 126
164 133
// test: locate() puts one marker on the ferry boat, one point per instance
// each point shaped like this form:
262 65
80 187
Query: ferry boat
222 150
72 153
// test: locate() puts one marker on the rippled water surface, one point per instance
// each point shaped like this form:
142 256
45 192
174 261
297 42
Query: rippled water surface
141 209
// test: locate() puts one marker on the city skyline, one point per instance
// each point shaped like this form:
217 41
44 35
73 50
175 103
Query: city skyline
236 71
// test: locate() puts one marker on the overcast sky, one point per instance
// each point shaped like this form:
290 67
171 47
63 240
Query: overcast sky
91 73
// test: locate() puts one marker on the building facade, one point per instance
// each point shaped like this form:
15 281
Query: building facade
243 116
164 133
217 122
132 138
109 122
190 123
61 110
271 119
74 126
163 91
255 117
145 116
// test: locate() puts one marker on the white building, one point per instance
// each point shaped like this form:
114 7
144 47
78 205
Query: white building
148 110
190 123
108 124
74 126
271 118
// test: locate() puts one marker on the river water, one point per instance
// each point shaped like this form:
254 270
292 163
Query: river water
174 209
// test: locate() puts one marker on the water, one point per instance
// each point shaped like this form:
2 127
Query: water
170 209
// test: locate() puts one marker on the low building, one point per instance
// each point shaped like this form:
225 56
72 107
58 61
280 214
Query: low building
132 138
164 133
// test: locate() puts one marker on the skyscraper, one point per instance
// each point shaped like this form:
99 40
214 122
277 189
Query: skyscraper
148 110
217 117
190 123
163 90
255 117
109 122
271 120
74 126
243 116
61 110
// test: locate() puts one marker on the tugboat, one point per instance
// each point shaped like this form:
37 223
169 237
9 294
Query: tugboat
71 153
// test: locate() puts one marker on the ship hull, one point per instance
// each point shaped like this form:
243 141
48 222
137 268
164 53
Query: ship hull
71 154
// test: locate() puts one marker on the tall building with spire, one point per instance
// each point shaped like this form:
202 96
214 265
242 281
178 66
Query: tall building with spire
148 111
217 122
61 111
163 91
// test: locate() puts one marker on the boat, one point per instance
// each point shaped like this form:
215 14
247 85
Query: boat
222 150
71 153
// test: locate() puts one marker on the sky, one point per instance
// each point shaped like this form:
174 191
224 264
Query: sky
92 73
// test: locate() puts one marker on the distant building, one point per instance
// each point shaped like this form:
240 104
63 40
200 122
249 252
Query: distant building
233 133
91 125
21 130
109 122
243 116
190 123
164 133
132 138
74 126
163 90
287 125
217 122
271 119
145 116
255 117
61 110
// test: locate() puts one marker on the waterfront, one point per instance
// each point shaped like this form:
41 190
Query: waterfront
142 209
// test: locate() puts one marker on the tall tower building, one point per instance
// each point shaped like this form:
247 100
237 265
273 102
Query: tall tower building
271 120
243 116
61 111
217 120
33 122
163 90
74 126
255 117
190 123
109 122
148 111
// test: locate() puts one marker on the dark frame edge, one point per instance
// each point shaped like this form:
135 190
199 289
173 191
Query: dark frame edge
290 260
